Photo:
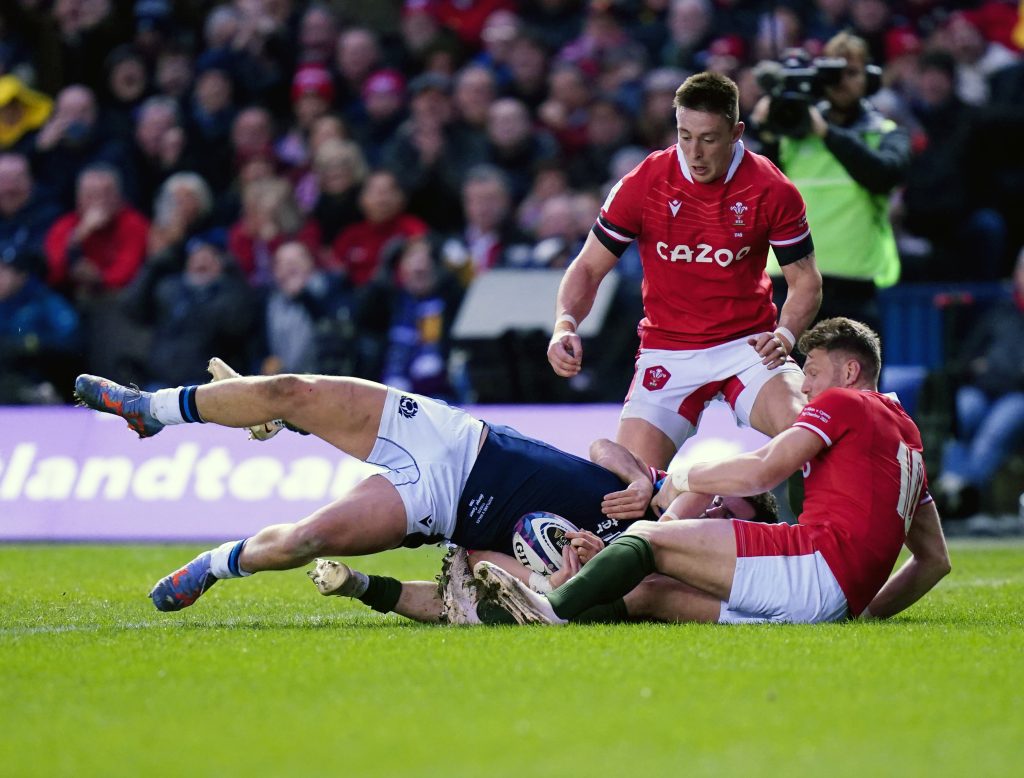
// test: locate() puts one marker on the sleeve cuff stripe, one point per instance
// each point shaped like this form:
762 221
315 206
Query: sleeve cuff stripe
812 428
615 231
791 241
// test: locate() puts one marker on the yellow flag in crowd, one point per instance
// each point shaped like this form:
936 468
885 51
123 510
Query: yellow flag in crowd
1018 31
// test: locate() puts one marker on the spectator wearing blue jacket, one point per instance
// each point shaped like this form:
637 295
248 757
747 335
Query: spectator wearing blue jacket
39 342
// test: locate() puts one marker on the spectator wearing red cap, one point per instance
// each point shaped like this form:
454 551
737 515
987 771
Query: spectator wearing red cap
312 97
384 109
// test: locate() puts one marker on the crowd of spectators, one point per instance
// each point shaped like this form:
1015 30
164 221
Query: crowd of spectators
311 186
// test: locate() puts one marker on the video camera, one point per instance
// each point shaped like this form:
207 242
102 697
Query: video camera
794 84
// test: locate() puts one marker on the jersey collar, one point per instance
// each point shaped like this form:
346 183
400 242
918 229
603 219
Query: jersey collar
737 156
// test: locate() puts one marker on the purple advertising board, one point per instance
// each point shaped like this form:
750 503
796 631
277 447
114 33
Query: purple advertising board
73 474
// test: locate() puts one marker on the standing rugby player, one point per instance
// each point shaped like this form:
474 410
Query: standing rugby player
704 213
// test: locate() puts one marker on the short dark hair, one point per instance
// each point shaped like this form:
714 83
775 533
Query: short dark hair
710 93
766 507
853 337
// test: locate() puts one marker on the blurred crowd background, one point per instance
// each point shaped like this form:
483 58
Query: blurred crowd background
315 187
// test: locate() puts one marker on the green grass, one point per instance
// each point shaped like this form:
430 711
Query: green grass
265 677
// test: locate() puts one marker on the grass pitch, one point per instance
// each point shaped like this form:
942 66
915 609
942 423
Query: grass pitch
265 677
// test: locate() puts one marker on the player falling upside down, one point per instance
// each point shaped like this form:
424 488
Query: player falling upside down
455 598
448 475
867 496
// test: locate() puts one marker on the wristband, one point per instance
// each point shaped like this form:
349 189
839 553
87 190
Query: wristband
539 583
568 317
680 480
784 335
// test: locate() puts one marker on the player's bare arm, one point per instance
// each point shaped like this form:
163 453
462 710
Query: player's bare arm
633 501
575 298
669 504
927 566
751 473
802 303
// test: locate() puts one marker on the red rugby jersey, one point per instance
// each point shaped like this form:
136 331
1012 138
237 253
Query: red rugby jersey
704 246
861 491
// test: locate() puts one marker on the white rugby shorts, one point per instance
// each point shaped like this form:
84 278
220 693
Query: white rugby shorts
428 448
671 388
780 577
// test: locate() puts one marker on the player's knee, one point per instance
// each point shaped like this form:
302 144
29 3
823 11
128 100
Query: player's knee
288 389
643 529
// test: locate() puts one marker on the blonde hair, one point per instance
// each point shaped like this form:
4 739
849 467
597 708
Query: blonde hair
847 46
278 199
345 152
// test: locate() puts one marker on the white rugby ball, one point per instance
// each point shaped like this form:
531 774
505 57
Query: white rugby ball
538 540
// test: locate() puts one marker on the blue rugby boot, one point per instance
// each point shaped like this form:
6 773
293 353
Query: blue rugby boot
128 402
183 587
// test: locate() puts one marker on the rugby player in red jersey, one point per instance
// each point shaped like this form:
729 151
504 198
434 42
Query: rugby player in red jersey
866 496
703 213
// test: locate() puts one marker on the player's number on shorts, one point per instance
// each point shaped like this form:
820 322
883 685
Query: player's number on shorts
911 481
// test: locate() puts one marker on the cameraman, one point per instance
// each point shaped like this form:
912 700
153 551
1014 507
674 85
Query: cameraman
845 158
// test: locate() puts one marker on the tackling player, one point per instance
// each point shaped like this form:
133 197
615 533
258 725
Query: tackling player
866 496
704 213
454 599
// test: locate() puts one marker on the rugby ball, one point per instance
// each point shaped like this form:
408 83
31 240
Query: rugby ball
538 540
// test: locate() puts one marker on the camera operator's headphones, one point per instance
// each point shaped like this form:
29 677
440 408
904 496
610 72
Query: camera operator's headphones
874 73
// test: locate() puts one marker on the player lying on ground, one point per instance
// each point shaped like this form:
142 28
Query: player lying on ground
453 599
448 475
866 495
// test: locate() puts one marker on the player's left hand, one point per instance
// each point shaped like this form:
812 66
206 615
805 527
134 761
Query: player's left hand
570 566
770 348
629 503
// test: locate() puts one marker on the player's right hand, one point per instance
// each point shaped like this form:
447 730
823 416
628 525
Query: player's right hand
565 353
586 544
